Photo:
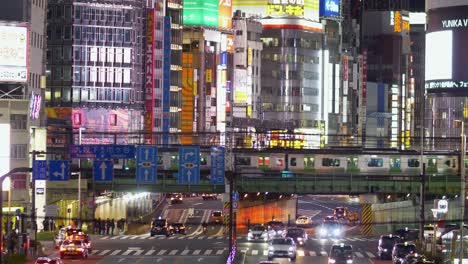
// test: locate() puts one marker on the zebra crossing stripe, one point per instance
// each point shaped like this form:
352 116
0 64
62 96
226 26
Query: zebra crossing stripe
171 237
152 237
220 237
173 252
124 237
144 236
185 252
359 254
116 237
105 237
196 252
312 253
370 255
191 237
219 251
181 238
161 252
254 252
127 252
134 237
102 253
211 237
115 252
138 252
208 252
265 252
150 252
300 253
201 237
323 253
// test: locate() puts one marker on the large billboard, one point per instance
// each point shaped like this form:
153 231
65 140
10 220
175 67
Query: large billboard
201 13
225 14
330 8
308 9
446 55
13 53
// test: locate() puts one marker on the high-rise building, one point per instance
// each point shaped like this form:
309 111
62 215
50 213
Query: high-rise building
22 83
95 63
446 78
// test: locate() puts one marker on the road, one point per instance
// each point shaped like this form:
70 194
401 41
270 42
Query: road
212 247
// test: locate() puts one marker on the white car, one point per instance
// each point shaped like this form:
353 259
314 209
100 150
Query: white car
258 233
282 248
303 221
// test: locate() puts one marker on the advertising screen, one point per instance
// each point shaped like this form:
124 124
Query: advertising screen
330 8
13 53
446 55
201 13
308 9
225 14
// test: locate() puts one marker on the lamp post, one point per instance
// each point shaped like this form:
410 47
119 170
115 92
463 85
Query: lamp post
79 178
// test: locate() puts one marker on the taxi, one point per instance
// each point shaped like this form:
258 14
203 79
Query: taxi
86 239
73 248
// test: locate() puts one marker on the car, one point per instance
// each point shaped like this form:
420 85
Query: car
401 250
429 231
275 228
258 233
48 260
86 239
176 198
329 218
340 212
160 226
209 196
73 248
282 248
414 258
65 233
178 228
303 221
386 243
217 217
298 234
331 229
341 254
407 234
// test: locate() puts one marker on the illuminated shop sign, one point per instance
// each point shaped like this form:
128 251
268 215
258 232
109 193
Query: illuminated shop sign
330 8
285 8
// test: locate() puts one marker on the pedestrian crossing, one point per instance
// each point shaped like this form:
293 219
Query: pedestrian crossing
212 252
147 236
349 239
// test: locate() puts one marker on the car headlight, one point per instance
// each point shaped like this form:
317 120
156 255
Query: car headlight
291 249
279 232
323 231
250 234
385 250
299 239
349 261
331 261
336 232
270 248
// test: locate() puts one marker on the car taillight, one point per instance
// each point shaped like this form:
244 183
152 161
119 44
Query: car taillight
79 249
62 249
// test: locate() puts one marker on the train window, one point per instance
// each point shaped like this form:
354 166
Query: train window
352 162
327 162
160 160
293 162
309 162
203 161
375 163
263 161
244 161
413 163
395 163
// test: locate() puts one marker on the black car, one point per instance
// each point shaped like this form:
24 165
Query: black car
386 244
401 250
160 227
341 254
178 228
407 234
298 234
331 229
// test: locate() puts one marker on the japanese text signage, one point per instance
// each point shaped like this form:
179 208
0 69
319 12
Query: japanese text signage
285 8
102 151
149 78
330 8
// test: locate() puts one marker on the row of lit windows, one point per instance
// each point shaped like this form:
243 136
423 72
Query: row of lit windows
314 108
99 33
294 75
102 74
290 58
90 94
293 91
291 43
101 14
102 54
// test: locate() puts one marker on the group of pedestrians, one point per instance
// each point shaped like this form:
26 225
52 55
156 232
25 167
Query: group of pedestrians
49 224
107 227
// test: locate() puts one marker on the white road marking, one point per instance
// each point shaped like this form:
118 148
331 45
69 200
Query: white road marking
138 252
144 236
312 254
173 252
102 253
265 252
134 237
208 252
370 255
185 252
323 253
359 254
115 252
116 237
150 252
105 237
219 251
197 203
196 252
254 252
161 252
300 253
127 252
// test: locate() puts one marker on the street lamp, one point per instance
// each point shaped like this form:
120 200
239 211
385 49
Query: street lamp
6 185
79 177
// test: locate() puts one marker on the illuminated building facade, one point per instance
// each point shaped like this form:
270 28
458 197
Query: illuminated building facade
22 83
446 78
95 63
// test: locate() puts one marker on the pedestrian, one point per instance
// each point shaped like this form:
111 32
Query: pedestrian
112 225
108 226
45 224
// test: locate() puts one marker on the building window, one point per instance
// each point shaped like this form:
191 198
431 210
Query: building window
77 119
18 121
18 151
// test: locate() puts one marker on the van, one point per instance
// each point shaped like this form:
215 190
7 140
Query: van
217 217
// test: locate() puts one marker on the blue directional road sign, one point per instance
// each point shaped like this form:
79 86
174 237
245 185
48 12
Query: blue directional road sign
147 164
59 170
103 170
217 165
189 165
235 196
40 170
102 151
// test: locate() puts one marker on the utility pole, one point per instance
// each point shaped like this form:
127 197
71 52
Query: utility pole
33 203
